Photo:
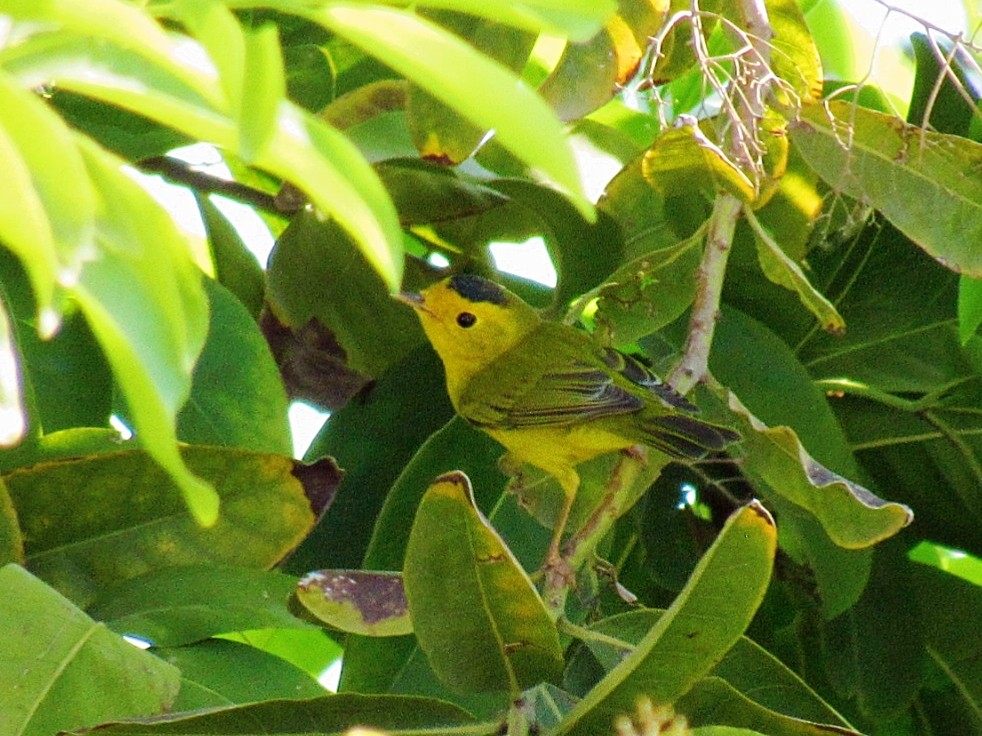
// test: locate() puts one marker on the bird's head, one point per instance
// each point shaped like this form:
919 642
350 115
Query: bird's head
471 321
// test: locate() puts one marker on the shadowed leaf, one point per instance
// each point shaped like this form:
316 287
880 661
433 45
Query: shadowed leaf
474 610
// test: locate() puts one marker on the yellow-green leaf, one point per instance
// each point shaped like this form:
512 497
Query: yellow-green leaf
923 182
851 515
475 612
705 620
357 601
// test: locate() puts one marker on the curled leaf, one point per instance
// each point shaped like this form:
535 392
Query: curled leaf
853 516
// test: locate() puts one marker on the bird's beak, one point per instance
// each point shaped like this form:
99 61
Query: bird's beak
407 297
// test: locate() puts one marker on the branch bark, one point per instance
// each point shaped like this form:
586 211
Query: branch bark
181 173
752 88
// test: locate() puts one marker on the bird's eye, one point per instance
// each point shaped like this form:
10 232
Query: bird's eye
466 319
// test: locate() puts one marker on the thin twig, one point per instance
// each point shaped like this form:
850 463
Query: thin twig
182 173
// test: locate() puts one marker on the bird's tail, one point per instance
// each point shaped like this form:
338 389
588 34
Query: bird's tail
684 436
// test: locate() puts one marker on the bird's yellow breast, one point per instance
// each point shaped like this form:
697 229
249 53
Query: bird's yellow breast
557 450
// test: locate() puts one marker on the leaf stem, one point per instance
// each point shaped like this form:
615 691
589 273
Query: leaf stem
584 634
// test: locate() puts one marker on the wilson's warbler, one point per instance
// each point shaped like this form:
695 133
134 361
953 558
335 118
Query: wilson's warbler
547 391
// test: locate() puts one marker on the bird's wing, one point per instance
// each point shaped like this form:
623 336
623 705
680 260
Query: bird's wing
569 390
639 374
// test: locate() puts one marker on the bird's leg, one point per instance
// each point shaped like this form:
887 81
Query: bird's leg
559 575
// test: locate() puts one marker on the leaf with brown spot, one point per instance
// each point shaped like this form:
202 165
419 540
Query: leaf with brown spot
475 612
93 522
357 601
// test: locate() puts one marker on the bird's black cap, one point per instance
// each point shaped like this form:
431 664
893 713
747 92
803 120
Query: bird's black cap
475 289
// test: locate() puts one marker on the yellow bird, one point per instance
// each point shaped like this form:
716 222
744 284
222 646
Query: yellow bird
546 391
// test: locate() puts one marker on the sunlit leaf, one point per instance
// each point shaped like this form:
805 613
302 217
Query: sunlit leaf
526 126
218 673
439 132
13 412
969 307
578 19
50 227
923 182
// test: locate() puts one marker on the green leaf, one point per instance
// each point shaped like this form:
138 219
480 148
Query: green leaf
455 446
840 575
219 33
153 331
440 133
950 608
474 610
49 227
236 268
425 193
262 93
795 57
303 150
702 624
881 635
309 649
684 160
63 670
237 397
122 24
11 539
357 601
331 715
779 268
316 272
584 78
649 292
385 415
94 522
187 603
223 673
747 668
590 72
852 515
714 700
921 181
525 126
13 410
650 220
578 19
969 308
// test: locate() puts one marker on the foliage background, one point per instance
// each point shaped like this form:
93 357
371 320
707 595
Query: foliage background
846 353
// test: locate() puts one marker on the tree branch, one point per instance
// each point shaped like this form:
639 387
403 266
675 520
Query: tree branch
751 88
182 173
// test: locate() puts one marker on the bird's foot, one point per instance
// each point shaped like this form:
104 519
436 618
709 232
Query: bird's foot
558 579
